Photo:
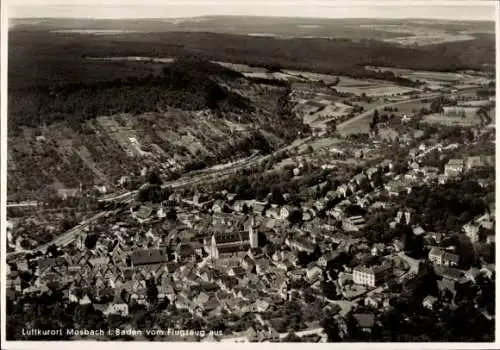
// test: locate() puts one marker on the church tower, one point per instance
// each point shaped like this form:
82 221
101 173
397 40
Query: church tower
253 234
214 252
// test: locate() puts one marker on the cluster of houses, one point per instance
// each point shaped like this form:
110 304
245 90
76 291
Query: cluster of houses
233 256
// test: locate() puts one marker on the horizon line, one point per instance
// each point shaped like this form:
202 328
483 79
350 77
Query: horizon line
258 16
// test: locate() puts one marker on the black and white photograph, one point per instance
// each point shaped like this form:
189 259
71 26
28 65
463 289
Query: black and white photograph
248 172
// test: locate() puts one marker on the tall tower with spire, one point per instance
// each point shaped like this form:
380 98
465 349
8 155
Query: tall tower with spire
214 252
253 234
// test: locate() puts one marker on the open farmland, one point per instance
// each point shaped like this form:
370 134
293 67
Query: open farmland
452 120
436 78
372 88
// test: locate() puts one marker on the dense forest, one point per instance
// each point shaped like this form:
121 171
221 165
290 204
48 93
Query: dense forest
189 84
40 57
50 76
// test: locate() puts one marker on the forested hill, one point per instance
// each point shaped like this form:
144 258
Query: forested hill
185 116
188 84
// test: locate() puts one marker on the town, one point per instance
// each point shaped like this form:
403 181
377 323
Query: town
319 242
252 179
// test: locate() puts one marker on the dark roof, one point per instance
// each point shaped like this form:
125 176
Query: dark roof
229 281
231 237
238 270
449 272
451 257
248 260
446 284
184 249
365 320
211 304
149 256
233 248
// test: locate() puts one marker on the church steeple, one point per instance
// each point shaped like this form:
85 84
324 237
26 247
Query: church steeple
214 252
252 234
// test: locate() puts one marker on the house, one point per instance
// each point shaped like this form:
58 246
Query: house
429 302
286 211
442 179
320 204
490 239
377 249
65 193
259 208
359 179
395 187
248 263
353 223
313 272
370 172
185 252
227 283
218 206
231 197
446 288
262 266
117 309
238 206
325 258
486 221
478 162
471 231
364 321
143 214
472 274
457 111
85 300
374 301
454 167
450 273
386 165
236 271
372 276
418 230
261 306
439 256
149 256
166 291
300 245
273 213
488 270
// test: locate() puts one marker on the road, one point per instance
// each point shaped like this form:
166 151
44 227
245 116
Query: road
23 204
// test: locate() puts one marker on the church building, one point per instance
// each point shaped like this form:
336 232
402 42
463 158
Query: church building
229 244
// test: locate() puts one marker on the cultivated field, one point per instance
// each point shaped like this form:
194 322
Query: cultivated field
451 120
374 88
459 79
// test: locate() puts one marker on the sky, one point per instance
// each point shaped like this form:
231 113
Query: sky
432 9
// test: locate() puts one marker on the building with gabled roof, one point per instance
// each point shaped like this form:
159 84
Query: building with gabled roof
148 256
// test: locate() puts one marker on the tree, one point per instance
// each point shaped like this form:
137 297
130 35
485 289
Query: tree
292 338
53 251
91 241
153 178
152 291
295 217
332 330
172 214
